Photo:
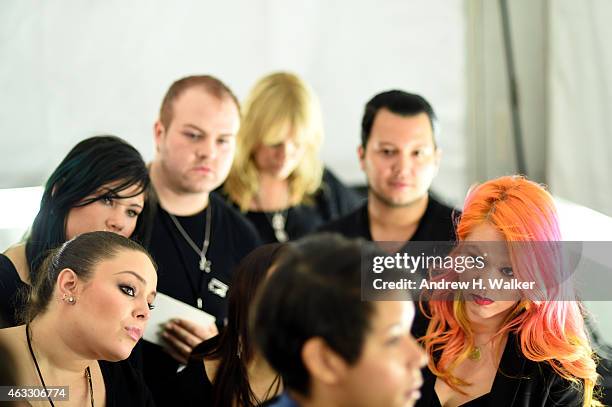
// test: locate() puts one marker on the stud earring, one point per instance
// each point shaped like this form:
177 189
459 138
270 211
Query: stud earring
69 299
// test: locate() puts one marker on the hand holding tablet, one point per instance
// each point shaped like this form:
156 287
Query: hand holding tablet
178 327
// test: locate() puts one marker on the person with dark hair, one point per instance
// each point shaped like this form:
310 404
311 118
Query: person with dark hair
100 185
228 369
330 347
88 307
197 238
400 158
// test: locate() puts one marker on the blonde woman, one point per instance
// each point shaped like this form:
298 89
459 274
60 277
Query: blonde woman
277 179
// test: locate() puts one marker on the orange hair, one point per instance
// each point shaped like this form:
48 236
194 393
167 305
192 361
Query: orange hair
548 331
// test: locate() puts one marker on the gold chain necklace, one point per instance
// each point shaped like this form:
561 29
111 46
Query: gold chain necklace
476 351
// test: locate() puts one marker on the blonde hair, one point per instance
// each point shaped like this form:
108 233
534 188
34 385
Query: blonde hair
278 102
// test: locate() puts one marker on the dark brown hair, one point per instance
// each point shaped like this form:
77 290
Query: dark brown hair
234 348
92 164
80 254
314 292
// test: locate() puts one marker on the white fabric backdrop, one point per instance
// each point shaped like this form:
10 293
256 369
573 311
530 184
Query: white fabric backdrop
580 102
71 69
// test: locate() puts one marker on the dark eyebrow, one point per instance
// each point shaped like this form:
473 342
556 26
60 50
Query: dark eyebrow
117 196
142 280
104 191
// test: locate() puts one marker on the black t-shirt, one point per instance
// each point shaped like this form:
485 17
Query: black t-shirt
436 225
332 200
124 385
191 385
13 293
180 277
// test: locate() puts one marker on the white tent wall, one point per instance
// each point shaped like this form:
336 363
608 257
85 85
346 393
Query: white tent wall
563 64
72 69
580 94
580 113
490 139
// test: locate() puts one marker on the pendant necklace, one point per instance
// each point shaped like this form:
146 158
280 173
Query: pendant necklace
204 264
278 221
40 376
475 352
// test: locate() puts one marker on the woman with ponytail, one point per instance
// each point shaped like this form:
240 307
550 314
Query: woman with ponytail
530 349
89 305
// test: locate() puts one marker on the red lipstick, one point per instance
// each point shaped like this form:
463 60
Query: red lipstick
482 300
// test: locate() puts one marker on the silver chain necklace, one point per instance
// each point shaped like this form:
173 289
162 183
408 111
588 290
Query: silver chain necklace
204 264
278 220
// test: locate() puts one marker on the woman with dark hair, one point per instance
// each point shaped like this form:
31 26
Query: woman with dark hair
228 370
88 307
100 185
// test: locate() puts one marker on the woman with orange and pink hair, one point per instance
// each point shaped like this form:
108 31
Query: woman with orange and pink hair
508 351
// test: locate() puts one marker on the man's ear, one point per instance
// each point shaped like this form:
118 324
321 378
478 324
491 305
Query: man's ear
158 131
361 156
324 365
67 282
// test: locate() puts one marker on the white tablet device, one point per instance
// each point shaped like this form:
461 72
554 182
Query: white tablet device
168 308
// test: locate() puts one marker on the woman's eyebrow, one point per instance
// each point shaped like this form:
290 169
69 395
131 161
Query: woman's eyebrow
142 280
